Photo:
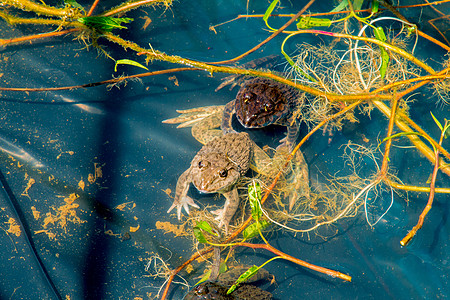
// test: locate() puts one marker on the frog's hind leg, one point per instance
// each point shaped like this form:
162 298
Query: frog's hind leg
227 117
205 131
299 180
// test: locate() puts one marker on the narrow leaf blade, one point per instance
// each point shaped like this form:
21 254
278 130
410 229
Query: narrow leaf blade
129 62
245 276
270 10
254 196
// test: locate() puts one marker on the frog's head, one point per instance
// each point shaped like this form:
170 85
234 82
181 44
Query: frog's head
214 172
260 103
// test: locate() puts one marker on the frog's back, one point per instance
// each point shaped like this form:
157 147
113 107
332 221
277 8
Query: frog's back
236 146
261 102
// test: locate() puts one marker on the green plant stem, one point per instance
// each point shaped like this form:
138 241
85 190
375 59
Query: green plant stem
297 261
412 188
130 5
42 9
12 20
157 55
417 142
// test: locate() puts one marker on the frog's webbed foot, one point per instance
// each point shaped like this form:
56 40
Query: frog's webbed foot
220 216
183 203
238 79
203 121
298 180
182 200
225 214
190 117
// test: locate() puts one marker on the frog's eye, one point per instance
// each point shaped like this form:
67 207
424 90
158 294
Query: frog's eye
247 96
223 173
202 164
268 106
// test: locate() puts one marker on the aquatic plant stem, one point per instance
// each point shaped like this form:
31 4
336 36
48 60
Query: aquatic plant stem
94 84
412 188
415 140
130 5
42 9
427 208
36 36
387 149
292 20
296 260
91 10
13 20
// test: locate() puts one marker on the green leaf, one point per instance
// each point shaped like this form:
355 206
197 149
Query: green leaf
206 227
292 63
203 225
437 122
341 6
375 5
270 10
254 229
379 35
247 274
199 235
223 267
204 278
357 4
74 3
405 134
254 195
309 22
103 24
128 62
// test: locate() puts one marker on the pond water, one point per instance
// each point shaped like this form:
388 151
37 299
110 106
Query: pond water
86 172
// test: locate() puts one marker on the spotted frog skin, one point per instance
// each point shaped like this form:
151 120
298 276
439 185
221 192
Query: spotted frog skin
261 102
205 120
217 291
215 169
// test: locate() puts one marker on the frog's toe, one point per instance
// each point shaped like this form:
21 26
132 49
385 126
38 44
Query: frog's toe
220 216
178 206
186 202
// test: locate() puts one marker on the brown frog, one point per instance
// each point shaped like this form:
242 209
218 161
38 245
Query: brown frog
215 169
217 291
261 102
205 120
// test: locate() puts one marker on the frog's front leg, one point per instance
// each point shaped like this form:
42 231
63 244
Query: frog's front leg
182 200
225 214
291 137
227 117
297 181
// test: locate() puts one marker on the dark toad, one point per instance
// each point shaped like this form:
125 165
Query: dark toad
212 290
261 102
